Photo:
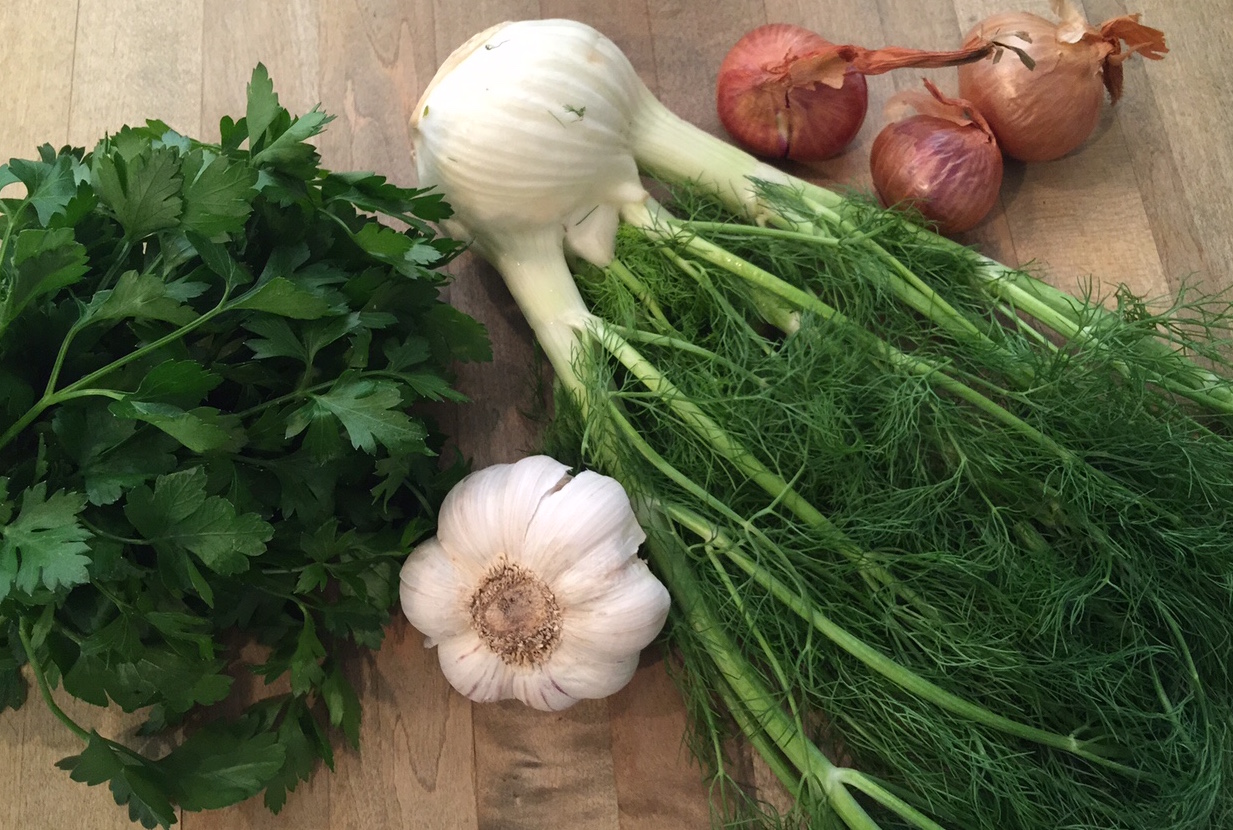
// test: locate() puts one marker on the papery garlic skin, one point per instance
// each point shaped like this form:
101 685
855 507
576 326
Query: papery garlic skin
567 546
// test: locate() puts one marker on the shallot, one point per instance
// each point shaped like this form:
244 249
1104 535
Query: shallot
786 92
941 161
1049 110
764 107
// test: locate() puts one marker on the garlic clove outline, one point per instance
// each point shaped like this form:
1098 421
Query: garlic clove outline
541 691
440 607
595 519
469 668
498 502
576 673
628 610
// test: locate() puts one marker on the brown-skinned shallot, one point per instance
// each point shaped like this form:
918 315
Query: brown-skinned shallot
1043 112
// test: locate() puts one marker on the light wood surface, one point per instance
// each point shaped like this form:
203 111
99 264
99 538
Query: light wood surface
1148 201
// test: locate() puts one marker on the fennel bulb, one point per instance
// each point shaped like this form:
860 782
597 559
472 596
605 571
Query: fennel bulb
992 564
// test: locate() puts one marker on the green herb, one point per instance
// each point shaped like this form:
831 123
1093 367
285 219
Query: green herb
943 569
212 364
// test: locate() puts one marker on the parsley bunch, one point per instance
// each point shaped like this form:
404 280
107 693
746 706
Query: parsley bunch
211 360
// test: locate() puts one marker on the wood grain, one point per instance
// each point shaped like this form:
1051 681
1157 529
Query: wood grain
1148 201
236 36
1181 145
37 65
35 112
650 756
133 60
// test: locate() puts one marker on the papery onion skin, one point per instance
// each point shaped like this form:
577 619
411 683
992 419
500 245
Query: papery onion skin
1042 113
1044 107
772 117
950 174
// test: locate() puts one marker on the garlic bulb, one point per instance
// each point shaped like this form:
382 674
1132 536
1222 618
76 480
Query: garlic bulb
532 588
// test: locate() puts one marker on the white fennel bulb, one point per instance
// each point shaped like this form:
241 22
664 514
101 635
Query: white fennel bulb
534 132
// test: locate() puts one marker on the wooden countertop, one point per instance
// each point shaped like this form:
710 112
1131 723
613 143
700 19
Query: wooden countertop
1148 201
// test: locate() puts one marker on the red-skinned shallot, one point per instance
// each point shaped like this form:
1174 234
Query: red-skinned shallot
1049 110
942 161
774 115
786 92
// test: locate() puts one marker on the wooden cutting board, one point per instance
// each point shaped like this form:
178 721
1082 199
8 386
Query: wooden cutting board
1148 201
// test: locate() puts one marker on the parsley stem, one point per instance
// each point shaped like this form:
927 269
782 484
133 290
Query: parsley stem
89 393
62 352
23 631
153 346
312 390
282 399
48 401
126 247
9 225
54 375
25 420
75 389
98 531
